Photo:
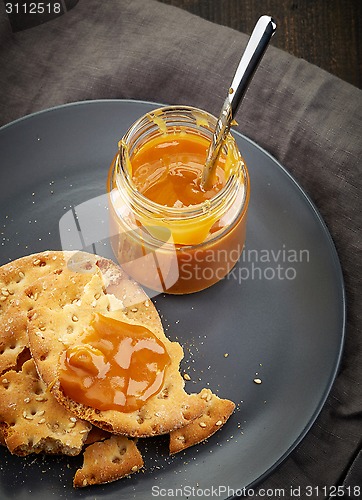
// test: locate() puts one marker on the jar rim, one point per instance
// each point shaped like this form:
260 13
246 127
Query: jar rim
176 213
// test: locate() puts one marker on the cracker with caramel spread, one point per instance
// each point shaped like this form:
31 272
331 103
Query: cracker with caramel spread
61 314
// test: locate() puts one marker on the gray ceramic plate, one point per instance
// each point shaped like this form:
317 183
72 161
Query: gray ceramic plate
279 316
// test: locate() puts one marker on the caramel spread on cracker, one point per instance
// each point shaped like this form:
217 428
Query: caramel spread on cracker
116 366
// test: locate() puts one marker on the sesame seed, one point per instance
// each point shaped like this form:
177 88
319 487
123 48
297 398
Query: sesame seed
72 419
5 293
83 431
41 421
226 355
2 298
27 400
75 318
202 424
42 328
218 423
187 376
21 274
71 424
257 381
40 398
5 381
134 310
134 468
36 262
97 296
41 413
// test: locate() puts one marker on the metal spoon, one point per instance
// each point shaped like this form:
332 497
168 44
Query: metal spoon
254 51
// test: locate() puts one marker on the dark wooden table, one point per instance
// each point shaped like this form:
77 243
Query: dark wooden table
327 33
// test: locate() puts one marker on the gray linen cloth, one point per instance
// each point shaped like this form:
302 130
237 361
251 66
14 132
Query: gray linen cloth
306 118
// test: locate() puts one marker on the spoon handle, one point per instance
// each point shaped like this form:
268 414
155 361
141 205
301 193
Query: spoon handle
254 51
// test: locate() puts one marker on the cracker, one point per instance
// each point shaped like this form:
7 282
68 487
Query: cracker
214 417
14 304
2 437
96 434
108 461
32 420
58 319
24 435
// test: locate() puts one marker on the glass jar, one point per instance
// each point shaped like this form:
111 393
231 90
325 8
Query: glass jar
177 250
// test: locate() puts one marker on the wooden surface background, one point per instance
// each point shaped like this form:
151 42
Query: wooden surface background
327 33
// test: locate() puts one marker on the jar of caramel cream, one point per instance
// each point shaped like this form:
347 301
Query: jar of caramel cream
169 232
